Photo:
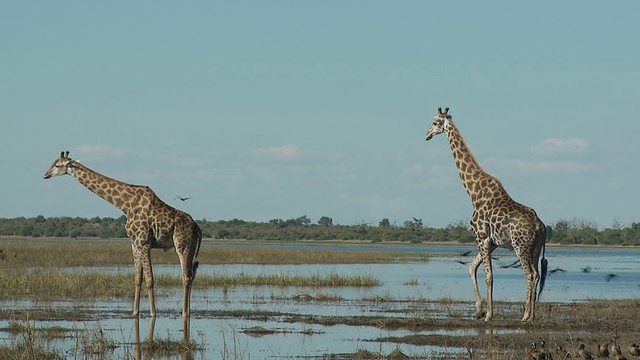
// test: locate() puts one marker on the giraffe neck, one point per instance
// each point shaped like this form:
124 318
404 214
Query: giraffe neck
470 171
114 191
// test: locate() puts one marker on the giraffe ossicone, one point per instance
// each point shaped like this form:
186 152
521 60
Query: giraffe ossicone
151 223
497 220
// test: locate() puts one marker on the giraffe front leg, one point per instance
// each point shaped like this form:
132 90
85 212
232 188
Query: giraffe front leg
149 280
148 276
473 272
138 281
186 298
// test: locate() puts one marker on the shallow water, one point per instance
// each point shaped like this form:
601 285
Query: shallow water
585 277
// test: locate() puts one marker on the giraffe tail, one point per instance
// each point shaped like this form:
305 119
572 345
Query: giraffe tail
544 264
198 235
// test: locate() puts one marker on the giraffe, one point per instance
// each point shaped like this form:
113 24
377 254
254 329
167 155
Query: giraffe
497 220
150 224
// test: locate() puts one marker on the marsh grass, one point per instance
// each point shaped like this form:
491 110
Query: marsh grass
27 345
166 347
317 297
258 331
97 343
74 253
49 333
315 280
48 284
412 282
91 343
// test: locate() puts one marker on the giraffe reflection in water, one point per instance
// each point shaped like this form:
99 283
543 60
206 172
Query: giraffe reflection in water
138 345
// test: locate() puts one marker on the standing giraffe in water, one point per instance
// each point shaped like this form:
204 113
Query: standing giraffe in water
497 220
150 224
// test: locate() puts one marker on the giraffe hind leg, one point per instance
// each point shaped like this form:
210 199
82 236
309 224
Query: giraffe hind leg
189 268
532 277
488 277
473 272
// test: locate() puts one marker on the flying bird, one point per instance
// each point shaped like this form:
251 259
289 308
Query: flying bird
182 198
462 262
610 277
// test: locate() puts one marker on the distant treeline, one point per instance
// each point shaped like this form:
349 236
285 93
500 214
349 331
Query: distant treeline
567 232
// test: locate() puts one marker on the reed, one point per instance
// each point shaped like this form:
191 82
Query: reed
166 347
96 343
51 284
230 280
27 345
47 284
118 252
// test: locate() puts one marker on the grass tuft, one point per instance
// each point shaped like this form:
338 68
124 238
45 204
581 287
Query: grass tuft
166 347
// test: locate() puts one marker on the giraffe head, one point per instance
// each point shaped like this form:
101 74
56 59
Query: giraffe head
438 125
61 166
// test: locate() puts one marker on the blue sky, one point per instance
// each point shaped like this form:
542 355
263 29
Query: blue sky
263 110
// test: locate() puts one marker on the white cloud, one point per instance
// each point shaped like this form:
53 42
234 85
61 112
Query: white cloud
101 152
414 169
552 146
286 152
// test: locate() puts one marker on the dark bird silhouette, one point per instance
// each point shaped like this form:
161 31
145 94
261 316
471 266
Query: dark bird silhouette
466 253
182 198
553 271
512 265
462 262
610 277
586 269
